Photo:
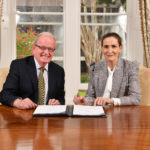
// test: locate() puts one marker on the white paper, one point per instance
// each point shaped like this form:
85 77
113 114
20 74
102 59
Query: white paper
50 109
88 110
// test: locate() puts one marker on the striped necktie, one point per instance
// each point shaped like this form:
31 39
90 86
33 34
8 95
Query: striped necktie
41 87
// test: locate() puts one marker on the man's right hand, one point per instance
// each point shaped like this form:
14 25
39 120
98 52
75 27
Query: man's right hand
24 104
79 100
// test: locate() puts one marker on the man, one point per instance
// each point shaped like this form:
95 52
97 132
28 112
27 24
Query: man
22 88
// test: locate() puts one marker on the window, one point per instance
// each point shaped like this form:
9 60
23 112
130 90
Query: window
97 18
35 16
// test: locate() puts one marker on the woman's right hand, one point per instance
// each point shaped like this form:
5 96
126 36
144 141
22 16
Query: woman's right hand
79 100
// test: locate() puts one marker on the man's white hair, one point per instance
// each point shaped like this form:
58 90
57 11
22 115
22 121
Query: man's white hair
44 33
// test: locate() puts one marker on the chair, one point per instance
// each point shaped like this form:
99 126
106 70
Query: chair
144 79
3 75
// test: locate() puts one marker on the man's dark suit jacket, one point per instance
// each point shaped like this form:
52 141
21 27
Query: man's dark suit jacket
22 82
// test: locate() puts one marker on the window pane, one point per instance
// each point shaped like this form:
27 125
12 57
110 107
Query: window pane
60 63
103 6
102 19
40 18
57 31
59 48
25 38
84 73
39 5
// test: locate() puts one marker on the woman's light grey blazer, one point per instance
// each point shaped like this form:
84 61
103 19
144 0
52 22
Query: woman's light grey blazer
125 82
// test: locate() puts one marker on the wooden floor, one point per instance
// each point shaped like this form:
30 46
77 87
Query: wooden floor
124 128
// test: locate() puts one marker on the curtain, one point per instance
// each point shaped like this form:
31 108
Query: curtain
145 25
1 7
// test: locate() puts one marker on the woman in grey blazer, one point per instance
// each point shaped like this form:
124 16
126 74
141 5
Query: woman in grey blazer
113 81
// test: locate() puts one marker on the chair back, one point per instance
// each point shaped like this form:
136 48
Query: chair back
3 75
144 79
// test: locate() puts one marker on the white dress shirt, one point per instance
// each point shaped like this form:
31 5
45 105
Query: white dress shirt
108 88
45 75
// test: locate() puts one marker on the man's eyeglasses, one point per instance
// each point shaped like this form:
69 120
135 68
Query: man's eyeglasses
43 48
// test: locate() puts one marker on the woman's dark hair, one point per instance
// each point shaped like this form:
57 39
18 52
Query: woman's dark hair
112 34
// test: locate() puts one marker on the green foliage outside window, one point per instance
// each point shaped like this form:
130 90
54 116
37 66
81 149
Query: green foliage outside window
82 93
24 42
84 78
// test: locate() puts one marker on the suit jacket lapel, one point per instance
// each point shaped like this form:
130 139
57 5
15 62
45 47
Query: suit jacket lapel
51 77
117 78
33 73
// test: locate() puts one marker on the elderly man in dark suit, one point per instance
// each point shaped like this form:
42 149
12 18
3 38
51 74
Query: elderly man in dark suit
23 89
113 81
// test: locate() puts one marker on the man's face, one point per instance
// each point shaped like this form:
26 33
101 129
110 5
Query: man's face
43 50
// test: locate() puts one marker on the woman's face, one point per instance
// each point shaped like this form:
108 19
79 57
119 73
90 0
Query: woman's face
111 49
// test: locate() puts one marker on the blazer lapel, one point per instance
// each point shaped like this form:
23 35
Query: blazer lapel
117 78
102 73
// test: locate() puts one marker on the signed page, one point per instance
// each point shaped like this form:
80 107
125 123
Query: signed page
50 109
81 110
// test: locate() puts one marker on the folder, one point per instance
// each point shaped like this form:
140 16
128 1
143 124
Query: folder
69 110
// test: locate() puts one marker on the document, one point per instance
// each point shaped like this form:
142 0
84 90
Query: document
80 110
68 110
46 110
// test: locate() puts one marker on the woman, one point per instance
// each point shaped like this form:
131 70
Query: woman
113 81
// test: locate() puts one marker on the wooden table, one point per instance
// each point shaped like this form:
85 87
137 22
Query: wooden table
124 128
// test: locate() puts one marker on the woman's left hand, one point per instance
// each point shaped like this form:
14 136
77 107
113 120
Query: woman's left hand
100 101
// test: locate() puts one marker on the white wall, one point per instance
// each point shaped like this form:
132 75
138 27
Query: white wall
8 29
